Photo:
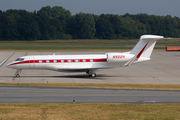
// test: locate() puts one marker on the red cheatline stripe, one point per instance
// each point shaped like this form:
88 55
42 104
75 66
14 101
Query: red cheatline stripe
59 61
139 55
129 62
19 63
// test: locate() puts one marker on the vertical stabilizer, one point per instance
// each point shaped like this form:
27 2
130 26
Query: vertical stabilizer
144 47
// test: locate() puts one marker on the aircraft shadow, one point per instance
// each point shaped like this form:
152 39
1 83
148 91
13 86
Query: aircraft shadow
69 76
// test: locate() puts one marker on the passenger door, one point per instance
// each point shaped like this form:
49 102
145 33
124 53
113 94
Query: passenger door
31 63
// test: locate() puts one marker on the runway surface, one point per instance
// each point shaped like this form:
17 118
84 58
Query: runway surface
163 68
85 95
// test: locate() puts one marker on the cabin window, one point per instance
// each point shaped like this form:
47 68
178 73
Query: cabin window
91 60
69 60
84 60
55 61
77 60
40 61
20 59
62 61
47 61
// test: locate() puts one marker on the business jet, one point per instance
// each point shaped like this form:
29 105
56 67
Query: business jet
88 63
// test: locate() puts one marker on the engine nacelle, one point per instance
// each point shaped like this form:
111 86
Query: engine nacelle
119 57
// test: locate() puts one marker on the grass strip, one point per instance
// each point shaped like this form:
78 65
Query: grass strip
89 111
101 85
175 41
11 45
59 48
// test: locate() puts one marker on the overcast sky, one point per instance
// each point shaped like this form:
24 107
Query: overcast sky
155 7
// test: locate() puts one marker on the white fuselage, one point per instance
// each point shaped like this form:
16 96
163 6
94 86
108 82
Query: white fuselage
71 62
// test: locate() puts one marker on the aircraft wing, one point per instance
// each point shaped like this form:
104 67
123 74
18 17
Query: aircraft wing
81 69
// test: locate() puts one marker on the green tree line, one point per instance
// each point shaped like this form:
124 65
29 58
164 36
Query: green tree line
58 23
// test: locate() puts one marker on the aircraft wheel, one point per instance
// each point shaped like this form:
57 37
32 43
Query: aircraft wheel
17 75
93 75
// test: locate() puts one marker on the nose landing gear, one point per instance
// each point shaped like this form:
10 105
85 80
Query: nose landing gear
18 73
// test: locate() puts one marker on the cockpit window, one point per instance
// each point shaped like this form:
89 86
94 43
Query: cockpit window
19 59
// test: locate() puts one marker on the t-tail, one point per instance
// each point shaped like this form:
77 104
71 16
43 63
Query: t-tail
143 48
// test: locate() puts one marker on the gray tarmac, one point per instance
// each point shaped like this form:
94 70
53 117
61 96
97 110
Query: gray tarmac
20 94
163 68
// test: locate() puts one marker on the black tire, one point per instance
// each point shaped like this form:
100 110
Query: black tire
18 76
93 75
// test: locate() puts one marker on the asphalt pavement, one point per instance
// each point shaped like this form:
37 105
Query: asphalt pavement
18 94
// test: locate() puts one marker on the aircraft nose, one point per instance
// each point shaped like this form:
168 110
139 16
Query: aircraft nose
9 65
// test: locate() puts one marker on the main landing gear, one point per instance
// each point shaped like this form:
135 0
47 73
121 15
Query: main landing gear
18 73
91 73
